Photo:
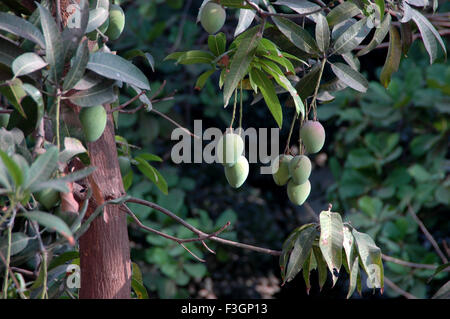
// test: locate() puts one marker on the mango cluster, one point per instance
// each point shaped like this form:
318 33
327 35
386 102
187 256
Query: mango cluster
229 153
295 171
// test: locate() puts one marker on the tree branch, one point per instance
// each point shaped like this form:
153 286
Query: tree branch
398 289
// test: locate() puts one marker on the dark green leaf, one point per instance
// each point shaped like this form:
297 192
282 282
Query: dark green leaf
201 80
78 67
97 95
22 28
43 167
322 33
378 37
393 57
352 78
13 169
217 43
53 222
351 37
342 12
297 35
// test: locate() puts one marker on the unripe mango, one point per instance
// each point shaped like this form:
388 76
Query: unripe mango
125 166
4 119
300 169
237 174
212 17
93 121
280 169
312 134
47 197
298 193
116 22
229 149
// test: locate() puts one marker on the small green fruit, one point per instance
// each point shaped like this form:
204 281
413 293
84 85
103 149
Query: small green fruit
298 193
312 134
212 17
4 119
125 166
300 169
93 121
47 197
237 174
229 148
280 169
116 22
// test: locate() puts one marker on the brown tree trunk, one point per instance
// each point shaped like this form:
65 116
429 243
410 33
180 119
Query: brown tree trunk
104 248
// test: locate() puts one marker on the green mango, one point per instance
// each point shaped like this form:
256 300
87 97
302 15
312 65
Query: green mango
116 22
47 197
298 193
229 148
237 174
212 17
4 119
93 120
280 169
125 166
300 169
312 134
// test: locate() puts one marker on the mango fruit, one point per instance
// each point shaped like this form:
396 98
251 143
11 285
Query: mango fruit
4 119
47 197
116 22
237 174
300 169
93 121
212 17
229 149
125 165
280 169
298 193
312 134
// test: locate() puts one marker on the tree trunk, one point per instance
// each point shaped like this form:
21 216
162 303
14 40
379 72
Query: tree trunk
104 248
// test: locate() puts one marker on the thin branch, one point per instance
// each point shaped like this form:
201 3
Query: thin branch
13 277
398 289
199 232
427 234
120 107
409 264
174 123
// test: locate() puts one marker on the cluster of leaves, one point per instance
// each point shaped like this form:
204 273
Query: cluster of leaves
389 156
331 244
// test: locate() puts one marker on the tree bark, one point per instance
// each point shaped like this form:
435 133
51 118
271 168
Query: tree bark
104 248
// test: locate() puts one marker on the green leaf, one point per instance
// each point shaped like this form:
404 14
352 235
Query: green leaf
246 17
393 57
96 95
53 222
14 93
429 35
131 54
321 266
27 63
13 169
438 270
351 37
201 80
196 56
63 258
241 61
331 241
115 67
152 174
306 270
350 77
289 67
97 17
217 43
305 87
349 247
301 251
8 52
60 184
322 33
43 167
354 272
378 37
342 12
370 256
78 67
407 37
139 289
54 50
268 91
21 28
297 35
19 242
301 7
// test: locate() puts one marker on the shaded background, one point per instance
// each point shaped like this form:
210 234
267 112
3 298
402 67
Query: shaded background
385 152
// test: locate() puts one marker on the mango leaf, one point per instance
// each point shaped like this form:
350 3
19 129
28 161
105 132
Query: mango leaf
378 37
299 6
297 35
152 174
268 91
195 56
217 43
63 258
370 257
53 222
8 52
36 95
351 37
307 267
300 252
77 68
72 147
321 266
60 184
137 283
349 247
331 241
14 93
97 17
43 167
438 270
75 29
22 28
13 169
201 80
350 77
406 36
97 95
131 54
305 87
443 292
115 67
429 34
354 272
19 242
241 61
246 17
54 50
342 12
393 57
27 63
322 33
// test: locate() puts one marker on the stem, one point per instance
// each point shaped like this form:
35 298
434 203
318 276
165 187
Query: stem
313 102
240 111
58 107
234 108
294 118
8 259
